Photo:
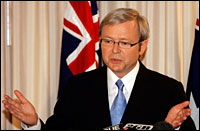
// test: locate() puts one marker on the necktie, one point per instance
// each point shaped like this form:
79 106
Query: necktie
118 105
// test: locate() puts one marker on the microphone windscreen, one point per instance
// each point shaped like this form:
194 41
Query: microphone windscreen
162 125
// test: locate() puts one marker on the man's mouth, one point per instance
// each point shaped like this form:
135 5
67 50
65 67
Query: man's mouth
114 60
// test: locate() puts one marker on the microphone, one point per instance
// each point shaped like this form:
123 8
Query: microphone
129 126
133 126
115 127
162 125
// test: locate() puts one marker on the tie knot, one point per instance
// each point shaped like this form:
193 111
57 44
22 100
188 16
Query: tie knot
119 84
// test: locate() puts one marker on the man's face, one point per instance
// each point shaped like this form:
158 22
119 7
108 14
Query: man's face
119 60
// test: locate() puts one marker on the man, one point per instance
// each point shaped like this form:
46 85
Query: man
123 91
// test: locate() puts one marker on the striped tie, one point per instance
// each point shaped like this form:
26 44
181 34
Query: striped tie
118 105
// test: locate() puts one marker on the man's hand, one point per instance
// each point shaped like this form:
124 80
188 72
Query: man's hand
22 109
178 114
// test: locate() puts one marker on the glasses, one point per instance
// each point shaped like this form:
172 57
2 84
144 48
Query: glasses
110 43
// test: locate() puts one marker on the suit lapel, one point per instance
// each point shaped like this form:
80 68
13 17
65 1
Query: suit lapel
139 84
102 97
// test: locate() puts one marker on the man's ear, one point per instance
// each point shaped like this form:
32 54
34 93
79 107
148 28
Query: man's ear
143 47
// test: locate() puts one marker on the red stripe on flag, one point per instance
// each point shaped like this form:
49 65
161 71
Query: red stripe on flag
83 10
84 60
197 23
72 27
96 33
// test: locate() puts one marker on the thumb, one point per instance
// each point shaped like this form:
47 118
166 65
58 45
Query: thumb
20 96
183 104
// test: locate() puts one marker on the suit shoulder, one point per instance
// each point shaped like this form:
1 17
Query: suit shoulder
161 80
152 75
161 76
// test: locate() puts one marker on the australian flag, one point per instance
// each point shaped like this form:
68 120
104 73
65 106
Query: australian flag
80 41
194 78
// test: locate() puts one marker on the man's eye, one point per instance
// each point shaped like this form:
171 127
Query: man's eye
108 41
125 43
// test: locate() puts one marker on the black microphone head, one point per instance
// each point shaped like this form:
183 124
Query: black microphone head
115 127
162 125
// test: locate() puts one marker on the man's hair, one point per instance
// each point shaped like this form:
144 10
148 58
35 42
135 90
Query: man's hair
122 15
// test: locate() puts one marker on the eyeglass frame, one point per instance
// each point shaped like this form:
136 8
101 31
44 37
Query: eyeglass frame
113 42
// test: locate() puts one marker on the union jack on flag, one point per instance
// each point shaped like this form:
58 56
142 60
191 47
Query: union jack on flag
80 40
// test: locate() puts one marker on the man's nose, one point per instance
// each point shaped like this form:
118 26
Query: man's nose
116 48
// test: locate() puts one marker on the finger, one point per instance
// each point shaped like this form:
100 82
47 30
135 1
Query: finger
182 116
183 104
20 96
6 104
176 123
15 112
12 109
7 97
8 107
16 109
186 112
179 123
12 106
10 101
18 115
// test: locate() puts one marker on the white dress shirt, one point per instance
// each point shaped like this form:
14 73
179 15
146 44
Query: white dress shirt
128 81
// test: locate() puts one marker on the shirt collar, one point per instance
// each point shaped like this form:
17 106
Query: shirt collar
112 78
129 79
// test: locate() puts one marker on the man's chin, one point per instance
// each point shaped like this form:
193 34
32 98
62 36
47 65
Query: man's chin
115 67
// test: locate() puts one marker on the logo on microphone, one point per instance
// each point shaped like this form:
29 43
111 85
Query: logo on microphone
133 126
129 126
115 127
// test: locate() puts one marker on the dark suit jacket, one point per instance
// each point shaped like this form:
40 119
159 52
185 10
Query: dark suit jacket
84 103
